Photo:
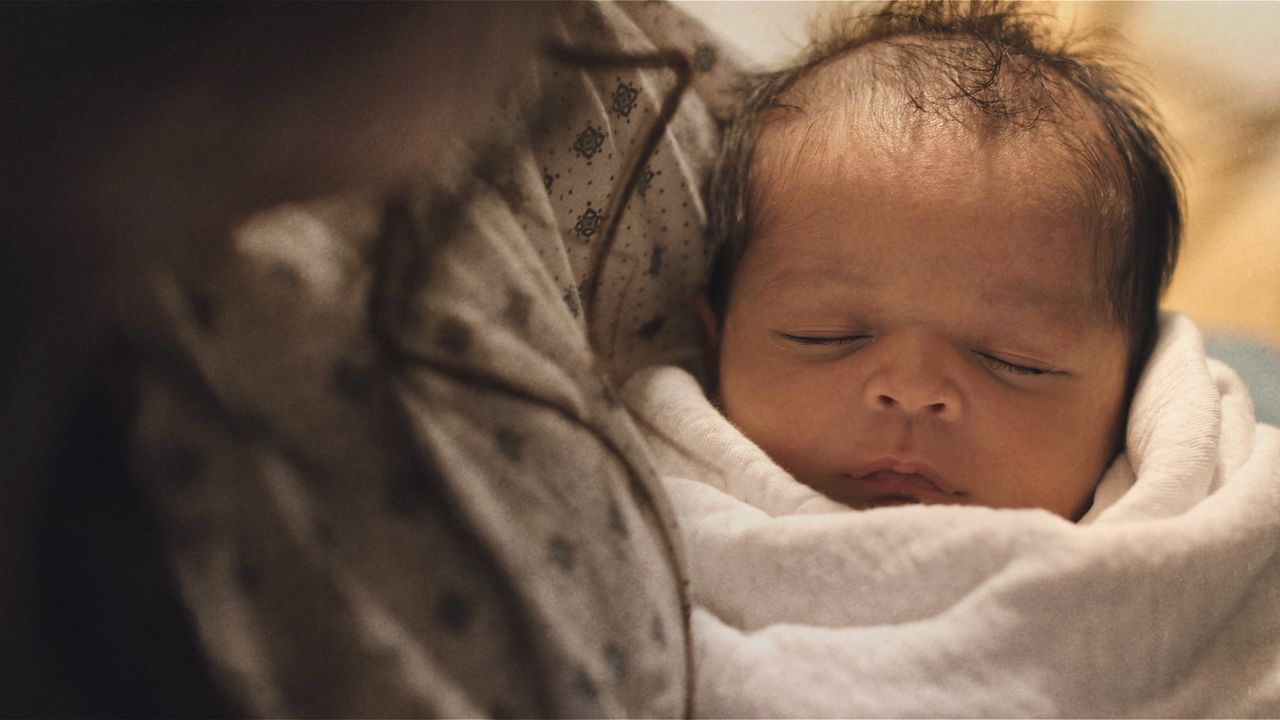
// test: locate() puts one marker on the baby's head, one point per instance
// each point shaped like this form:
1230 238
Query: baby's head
941 245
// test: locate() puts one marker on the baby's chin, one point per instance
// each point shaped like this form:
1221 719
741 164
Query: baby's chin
862 495
887 501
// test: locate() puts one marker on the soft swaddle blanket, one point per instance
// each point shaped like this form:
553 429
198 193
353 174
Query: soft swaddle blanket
1164 600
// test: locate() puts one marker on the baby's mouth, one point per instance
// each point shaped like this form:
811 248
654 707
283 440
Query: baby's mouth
892 478
887 482
901 485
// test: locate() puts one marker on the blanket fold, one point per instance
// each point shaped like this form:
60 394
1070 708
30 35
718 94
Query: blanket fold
1163 601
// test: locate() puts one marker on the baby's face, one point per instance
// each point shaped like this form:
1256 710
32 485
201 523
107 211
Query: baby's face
925 328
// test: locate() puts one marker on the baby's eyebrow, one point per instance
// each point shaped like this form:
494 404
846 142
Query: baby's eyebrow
837 274
1065 305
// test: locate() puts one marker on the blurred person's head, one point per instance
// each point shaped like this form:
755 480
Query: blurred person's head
136 137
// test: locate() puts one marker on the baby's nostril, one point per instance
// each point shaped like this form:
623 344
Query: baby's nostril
887 401
938 407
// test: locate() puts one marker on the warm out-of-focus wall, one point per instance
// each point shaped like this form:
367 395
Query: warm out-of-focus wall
1214 69
1215 74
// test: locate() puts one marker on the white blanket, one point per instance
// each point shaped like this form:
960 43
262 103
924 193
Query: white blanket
1163 601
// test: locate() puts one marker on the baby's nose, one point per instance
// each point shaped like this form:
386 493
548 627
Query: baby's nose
913 402
913 380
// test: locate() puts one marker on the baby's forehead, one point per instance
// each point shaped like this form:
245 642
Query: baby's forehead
922 149
803 162
894 109
810 157
1009 239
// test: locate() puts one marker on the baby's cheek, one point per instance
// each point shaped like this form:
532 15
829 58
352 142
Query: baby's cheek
1053 454
784 417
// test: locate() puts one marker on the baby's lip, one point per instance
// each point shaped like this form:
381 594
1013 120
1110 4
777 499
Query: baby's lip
903 472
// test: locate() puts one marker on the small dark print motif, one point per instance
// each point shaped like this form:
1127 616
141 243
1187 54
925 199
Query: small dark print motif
592 18
560 552
454 612
512 192
645 180
286 274
655 261
589 222
704 57
650 330
510 444
624 99
589 142
617 523
616 658
453 337
657 632
638 493
517 310
607 395
571 301
203 310
585 686
248 576
352 381
548 179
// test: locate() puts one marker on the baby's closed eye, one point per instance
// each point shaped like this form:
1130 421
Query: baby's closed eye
1015 368
817 339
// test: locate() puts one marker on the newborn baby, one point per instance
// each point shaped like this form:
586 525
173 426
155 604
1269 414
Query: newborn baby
941 246
941 243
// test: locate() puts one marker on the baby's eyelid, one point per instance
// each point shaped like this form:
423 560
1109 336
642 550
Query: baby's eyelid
1018 368
811 339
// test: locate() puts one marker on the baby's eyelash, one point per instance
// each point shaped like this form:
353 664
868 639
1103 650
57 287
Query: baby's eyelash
1011 367
809 340
993 361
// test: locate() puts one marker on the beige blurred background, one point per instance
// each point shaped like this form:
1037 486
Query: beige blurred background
1214 71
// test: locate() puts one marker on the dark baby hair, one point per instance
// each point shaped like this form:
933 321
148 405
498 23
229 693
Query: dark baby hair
994 67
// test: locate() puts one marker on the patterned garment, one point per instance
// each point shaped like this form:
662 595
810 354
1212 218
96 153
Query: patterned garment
387 463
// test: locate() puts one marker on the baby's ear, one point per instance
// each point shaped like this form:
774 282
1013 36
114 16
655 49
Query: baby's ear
710 339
